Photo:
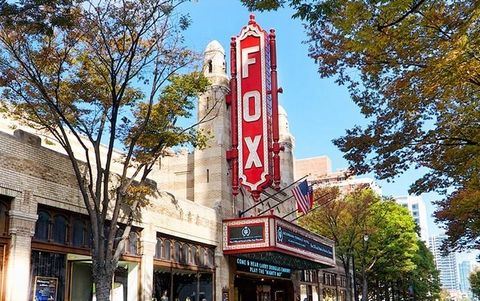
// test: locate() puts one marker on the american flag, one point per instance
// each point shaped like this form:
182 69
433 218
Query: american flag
304 196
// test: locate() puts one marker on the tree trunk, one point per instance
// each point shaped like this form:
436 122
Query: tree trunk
102 278
348 278
364 285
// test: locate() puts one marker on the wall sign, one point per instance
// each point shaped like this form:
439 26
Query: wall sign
246 233
261 268
254 109
45 288
290 238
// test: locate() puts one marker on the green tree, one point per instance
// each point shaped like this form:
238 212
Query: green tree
412 68
341 220
388 248
474 279
425 279
379 235
99 73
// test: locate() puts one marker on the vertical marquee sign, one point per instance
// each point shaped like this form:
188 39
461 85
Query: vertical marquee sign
254 110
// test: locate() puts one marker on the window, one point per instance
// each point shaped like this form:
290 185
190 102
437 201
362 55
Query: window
41 228
178 251
329 279
184 252
194 258
78 239
73 229
210 259
210 66
201 257
167 254
60 229
132 243
158 248
3 218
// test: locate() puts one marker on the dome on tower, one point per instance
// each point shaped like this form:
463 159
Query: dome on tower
214 46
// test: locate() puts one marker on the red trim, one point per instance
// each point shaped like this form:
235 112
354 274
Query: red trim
270 244
263 217
233 116
274 92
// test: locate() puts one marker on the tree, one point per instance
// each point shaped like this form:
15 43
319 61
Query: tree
412 68
379 235
340 220
387 250
102 72
425 279
474 279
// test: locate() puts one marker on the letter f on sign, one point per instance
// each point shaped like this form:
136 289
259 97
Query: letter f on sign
248 61
252 146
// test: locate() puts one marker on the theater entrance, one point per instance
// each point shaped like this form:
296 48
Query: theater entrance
251 288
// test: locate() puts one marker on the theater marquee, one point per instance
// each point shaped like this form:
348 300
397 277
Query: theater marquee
271 240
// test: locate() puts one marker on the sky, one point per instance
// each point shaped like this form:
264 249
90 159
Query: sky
318 109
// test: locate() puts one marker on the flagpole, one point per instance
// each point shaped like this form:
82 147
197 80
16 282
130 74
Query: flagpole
319 206
323 195
241 213
278 204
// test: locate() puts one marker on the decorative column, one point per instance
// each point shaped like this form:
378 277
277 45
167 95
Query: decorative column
22 228
148 242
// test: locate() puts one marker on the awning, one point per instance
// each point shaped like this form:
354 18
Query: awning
273 240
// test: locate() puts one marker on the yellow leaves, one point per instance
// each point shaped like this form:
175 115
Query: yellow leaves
139 194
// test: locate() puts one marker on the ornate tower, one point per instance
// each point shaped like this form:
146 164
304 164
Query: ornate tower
211 167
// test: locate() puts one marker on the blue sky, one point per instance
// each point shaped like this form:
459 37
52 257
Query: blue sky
318 109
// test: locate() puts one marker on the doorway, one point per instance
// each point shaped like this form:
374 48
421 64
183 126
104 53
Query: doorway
262 289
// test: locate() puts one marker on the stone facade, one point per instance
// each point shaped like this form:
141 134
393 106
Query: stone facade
195 192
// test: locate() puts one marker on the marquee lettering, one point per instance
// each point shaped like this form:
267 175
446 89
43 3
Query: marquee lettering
247 115
246 60
253 158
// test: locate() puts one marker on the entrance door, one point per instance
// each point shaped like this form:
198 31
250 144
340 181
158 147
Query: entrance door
263 292
258 289
279 295
82 282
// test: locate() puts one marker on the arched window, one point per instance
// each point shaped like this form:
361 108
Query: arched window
167 247
42 226
178 252
201 257
194 258
185 253
158 248
78 239
60 229
132 243
210 259
210 66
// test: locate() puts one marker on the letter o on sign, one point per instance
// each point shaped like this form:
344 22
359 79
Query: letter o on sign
247 115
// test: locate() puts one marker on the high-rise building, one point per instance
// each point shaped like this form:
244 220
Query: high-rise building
416 207
318 171
447 265
464 270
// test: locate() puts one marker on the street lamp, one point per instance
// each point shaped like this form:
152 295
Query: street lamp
364 272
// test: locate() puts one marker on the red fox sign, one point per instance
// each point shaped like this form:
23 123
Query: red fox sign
254 110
